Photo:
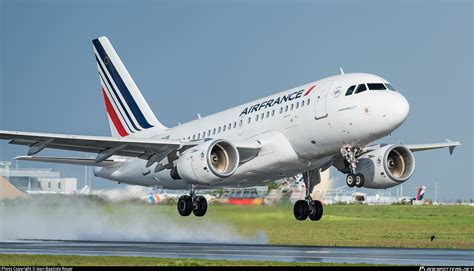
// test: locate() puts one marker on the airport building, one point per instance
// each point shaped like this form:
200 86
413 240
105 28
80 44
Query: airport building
37 180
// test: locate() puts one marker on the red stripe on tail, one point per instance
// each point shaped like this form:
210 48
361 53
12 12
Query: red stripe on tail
115 119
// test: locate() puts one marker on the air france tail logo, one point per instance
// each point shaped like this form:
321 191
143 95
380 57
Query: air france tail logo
121 106
272 102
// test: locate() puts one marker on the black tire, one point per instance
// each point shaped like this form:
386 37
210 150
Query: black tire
317 212
200 207
359 180
350 180
185 205
301 210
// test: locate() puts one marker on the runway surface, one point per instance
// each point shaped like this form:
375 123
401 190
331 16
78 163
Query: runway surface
244 252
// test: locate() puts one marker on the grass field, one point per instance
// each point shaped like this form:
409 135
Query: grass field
353 225
342 225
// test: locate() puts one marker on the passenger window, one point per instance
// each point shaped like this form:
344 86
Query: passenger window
263 115
235 124
286 108
218 129
194 137
307 102
240 123
376 86
281 110
390 87
256 117
350 90
189 138
214 131
302 103
229 126
360 88
268 114
223 128
273 112
297 105
291 106
248 121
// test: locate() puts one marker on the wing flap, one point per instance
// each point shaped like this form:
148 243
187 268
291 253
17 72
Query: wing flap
70 160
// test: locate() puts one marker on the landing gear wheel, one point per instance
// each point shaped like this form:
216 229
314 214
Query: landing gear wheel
359 180
200 206
317 211
301 210
185 205
350 179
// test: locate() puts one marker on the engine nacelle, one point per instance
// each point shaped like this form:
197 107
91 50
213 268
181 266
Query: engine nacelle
208 162
386 167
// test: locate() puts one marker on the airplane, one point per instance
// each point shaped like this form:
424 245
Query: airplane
303 130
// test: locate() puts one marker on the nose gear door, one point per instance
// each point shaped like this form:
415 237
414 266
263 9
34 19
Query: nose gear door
321 97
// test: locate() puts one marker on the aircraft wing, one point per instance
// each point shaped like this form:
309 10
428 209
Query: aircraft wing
424 147
153 150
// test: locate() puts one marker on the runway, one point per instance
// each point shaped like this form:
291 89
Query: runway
243 252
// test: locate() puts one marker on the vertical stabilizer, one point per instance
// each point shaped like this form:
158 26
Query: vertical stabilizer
128 112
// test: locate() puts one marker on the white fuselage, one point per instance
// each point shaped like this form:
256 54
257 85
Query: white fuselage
299 129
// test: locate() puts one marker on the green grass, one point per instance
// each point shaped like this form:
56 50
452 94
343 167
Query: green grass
353 225
341 225
67 260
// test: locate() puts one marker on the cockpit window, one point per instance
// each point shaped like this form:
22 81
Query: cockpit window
376 86
350 90
390 86
361 88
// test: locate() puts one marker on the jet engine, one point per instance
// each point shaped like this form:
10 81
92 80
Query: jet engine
386 167
208 162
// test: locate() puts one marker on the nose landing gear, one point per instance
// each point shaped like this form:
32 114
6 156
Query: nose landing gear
308 207
192 203
351 154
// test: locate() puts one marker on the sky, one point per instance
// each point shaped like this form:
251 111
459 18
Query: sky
190 57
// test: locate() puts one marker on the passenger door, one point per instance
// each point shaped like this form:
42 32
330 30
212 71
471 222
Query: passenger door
321 98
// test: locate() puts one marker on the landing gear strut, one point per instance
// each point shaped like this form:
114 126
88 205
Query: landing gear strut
308 207
350 154
192 203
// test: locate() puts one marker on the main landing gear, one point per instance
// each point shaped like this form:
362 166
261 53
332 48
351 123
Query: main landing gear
308 207
192 203
352 178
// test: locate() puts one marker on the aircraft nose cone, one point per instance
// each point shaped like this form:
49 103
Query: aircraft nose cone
397 109
403 108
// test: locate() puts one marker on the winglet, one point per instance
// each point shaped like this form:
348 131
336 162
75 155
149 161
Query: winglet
342 71
451 148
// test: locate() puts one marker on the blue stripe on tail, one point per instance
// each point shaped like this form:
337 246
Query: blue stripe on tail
117 97
122 87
